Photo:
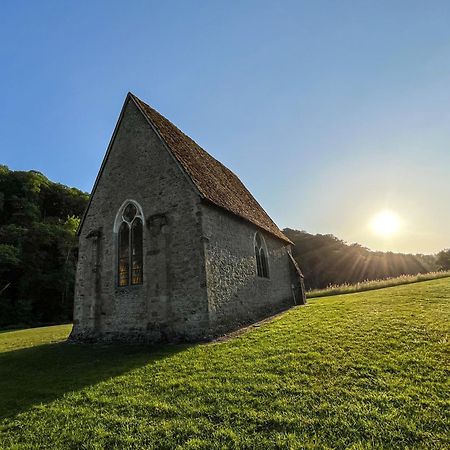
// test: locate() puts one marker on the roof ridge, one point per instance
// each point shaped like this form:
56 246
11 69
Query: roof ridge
215 182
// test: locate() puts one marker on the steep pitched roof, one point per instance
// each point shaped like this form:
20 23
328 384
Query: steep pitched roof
215 182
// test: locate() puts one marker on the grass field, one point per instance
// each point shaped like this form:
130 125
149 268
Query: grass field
365 370
370 285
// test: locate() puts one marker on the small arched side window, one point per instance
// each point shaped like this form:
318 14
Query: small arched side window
262 267
130 239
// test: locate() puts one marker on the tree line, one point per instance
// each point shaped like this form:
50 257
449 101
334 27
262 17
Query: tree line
38 248
326 260
38 252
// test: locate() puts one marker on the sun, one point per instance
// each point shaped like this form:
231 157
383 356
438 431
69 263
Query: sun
385 223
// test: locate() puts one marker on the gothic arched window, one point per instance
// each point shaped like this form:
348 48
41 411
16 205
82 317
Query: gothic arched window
262 267
130 239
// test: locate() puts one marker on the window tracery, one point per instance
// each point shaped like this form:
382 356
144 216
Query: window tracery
262 267
130 242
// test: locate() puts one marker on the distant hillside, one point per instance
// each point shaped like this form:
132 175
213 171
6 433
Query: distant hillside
325 260
38 248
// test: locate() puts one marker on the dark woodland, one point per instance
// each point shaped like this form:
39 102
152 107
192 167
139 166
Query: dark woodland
38 248
38 252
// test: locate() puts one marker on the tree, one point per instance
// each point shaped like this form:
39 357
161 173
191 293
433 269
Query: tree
325 260
443 259
9 257
38 247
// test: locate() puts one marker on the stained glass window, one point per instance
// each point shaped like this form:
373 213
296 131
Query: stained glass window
124 254
136 254
130 242
129 212
262 267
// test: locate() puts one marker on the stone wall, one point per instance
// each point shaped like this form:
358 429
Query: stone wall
171 303
236 295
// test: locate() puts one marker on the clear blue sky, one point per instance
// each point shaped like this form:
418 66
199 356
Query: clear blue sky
328 111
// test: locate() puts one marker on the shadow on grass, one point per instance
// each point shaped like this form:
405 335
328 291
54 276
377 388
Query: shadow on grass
44 373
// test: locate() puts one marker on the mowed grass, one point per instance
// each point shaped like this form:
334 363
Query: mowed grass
365 370
370 285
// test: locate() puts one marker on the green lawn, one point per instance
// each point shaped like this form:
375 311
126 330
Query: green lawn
370 285
365 370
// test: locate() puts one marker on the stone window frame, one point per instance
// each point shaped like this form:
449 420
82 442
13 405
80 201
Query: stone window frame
118 221
262 265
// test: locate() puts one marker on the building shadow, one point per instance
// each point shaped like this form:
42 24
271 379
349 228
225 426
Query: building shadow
41 374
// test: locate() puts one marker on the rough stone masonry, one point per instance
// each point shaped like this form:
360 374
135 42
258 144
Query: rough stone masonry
172 246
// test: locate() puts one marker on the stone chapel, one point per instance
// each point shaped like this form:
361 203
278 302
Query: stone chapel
172 246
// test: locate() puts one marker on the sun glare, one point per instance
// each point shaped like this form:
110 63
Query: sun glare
385 223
